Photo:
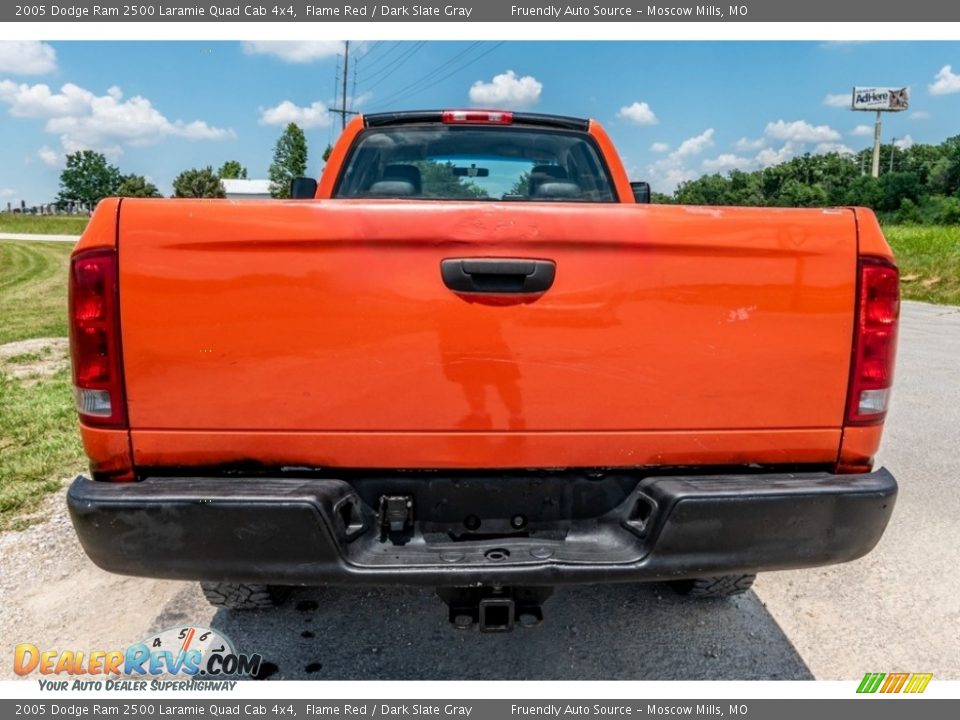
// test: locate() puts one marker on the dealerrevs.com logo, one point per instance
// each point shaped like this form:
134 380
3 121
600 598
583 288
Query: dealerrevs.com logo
190 652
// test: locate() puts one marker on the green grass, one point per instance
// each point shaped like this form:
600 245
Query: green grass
33 289
42 224
39 441
929 260
39 444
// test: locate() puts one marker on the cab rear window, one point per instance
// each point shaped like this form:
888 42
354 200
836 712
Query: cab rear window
440 162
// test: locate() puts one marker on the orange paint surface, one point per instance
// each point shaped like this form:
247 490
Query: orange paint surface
321 333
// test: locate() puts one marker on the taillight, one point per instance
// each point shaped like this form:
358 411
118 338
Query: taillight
483 117
875 341
95 339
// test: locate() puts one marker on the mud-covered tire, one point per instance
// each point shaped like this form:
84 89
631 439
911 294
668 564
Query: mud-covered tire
718 586
234 596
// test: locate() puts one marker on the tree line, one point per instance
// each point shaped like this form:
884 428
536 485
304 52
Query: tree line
917 185
88 177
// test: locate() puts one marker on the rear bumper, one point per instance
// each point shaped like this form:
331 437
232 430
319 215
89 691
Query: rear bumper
313 531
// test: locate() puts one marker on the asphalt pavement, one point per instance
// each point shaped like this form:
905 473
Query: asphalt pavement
39 238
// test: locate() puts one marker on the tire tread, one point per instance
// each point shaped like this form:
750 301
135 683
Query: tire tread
243 596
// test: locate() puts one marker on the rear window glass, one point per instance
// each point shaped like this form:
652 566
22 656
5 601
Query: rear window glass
439 162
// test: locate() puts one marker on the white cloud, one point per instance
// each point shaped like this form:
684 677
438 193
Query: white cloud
745 144
7 193
801 131
726 162
355 102
665 174
920 115
840 100
695 145
770 156
507 90
660 147
638 113
945 82
84 120
668 178
314 115
294 51
49 157
904 143
38 101
830 147
862 131
27 57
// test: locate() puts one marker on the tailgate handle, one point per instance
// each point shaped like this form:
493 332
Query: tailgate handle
498 276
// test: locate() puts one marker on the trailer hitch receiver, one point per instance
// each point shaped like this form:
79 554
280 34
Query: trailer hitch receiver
496 609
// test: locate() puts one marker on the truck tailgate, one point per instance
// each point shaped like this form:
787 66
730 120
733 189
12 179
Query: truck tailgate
321 333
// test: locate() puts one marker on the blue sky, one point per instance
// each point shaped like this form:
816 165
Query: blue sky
674 109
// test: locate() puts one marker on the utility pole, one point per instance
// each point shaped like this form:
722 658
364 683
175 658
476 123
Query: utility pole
343 99
343 112
876 146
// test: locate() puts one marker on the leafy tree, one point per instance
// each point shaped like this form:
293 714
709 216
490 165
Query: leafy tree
795 193
909 213
137 186
232 170
707 190
87 179
439 181
198 183
864 191
949 212
289 160
895 187
522 185
327 152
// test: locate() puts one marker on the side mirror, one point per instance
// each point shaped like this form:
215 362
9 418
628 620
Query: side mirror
303 188
641 192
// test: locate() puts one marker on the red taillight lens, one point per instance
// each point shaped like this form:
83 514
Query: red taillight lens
483 117
95 339
875 341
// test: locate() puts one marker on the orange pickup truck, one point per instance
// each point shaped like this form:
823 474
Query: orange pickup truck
473 357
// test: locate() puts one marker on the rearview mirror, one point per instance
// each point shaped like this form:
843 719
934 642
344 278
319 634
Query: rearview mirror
472 171
303 188
641 192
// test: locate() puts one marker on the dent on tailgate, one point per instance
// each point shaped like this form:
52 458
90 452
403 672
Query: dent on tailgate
321 333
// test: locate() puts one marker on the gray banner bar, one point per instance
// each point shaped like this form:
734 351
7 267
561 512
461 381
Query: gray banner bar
482 11
143 706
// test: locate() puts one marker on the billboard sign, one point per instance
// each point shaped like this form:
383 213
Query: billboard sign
880 98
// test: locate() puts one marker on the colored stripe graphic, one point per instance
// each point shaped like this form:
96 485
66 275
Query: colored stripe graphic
894 682
870 682
918 682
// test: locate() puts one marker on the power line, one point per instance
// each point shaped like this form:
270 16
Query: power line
372 49
433 73
456 70
381 60
399 63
